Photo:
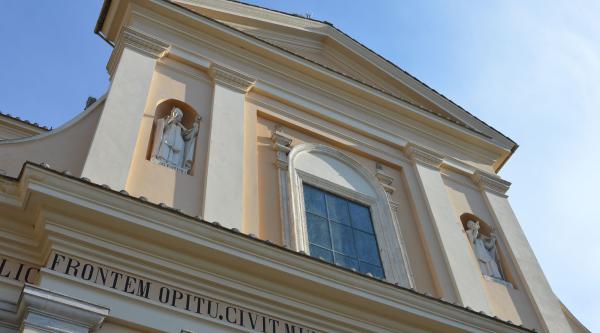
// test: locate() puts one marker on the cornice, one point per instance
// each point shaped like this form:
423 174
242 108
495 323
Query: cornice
230 78
423 155
168 221
373 91
476 149
139 42
490 182
323 28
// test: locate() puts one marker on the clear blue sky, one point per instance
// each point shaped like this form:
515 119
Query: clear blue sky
529 68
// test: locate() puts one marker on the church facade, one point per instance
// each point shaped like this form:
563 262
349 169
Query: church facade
250 170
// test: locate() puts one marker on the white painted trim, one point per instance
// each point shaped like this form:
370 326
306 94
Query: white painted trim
387 230
148 225
281 145
46 311
338 37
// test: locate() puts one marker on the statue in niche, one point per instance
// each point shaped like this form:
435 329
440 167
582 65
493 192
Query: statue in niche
174 144
485 250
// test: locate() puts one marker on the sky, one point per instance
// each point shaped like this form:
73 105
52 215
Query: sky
531 69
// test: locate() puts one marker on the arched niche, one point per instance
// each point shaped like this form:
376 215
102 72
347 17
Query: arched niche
333 171
163 110
484 227
486 230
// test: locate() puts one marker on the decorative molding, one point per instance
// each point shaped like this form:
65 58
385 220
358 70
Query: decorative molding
281 145
139 42
385 179
423 155
45 311
231 79
243 55
387 229
137 217
490 182
386 182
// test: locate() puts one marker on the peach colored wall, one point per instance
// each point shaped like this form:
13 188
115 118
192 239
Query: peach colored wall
269 205
268 184
508 302
158 183
64 148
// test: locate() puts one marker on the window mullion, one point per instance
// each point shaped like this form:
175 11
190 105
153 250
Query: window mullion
330 226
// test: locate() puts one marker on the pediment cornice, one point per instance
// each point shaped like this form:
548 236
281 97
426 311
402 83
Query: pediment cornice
189 23
490 182
324 30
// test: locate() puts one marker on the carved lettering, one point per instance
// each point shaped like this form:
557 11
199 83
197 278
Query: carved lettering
15 270
175 297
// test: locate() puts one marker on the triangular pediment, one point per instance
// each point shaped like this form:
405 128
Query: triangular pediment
325 45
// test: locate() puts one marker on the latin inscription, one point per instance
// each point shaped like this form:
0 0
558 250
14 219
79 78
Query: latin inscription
203 306
17 271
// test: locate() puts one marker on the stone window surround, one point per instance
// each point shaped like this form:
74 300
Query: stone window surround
387 230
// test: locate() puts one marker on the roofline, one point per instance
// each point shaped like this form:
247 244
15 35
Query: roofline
376 54
100 22
25 122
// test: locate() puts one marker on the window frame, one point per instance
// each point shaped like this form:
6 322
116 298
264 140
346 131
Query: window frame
344 193
389 237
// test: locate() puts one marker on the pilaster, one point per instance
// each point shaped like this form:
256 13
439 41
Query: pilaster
132 68
282 146
386 182
41 310
224 186
465 274
529 271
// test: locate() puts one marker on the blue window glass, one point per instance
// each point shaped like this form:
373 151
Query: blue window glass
341 231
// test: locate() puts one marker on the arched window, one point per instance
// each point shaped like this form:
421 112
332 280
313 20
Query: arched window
174 133
341 214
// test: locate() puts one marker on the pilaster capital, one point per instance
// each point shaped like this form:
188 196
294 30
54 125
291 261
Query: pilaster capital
281 144
46 311
230 78
490 182
143 43
384 179
139 42
423 155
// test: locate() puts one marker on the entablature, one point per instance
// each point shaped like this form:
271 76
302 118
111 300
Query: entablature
164 245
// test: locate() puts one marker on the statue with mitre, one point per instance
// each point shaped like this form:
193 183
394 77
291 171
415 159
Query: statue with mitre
174 144
485 249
